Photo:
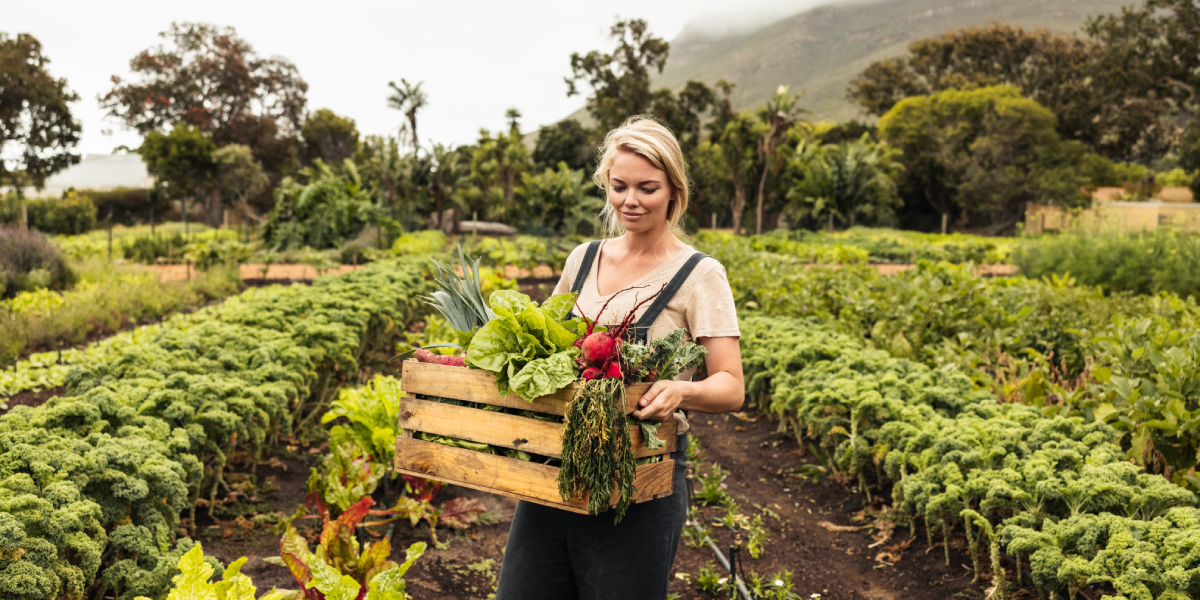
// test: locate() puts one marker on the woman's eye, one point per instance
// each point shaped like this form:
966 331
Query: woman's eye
649 190
618 188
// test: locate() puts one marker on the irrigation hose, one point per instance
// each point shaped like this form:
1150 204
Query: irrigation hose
729 568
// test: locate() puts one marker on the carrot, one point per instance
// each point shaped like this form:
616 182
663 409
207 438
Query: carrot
426 356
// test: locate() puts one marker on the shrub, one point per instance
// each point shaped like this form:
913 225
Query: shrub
1143 263
29 261
70 215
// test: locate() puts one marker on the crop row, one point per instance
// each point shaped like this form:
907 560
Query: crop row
1051 495
92 484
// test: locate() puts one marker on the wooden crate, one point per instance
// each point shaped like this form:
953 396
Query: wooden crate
497 474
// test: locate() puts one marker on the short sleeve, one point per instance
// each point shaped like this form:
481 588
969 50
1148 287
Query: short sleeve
711 310
570 268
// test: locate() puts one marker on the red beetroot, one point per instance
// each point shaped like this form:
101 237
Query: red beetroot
426 356
599 348
613 371
591 373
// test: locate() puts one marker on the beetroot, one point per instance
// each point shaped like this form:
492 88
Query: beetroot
613 370
599 348
591 373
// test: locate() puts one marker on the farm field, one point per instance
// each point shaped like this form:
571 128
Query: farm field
933 432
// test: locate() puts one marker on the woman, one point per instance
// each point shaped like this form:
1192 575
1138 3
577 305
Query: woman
555 554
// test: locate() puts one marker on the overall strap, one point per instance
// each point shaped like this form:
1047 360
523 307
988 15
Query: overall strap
585 267
642 328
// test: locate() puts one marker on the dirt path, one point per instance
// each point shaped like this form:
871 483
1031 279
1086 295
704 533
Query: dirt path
248 272
838 565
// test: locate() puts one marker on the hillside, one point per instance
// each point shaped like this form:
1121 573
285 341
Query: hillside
820 50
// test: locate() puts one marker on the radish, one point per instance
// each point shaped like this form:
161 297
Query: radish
426 356
591 373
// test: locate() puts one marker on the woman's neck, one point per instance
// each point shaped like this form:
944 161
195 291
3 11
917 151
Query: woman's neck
658 242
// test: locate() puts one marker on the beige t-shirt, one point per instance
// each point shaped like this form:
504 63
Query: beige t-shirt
704 306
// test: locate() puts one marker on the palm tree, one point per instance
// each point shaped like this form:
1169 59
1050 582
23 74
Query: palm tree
779 115
408 99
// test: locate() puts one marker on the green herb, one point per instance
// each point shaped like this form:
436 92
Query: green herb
597 455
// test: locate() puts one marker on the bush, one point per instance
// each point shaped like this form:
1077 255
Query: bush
1163 260
70 215
130 205
29 261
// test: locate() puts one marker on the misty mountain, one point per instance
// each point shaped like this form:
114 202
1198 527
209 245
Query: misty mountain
819 51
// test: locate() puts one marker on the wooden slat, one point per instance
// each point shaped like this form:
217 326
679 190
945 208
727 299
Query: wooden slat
476 385
514 478
509 431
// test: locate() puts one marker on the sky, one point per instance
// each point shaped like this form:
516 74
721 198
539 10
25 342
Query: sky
476 58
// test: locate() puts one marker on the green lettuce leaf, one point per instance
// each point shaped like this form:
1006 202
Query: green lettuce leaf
508 302
559 306
495 344
544 376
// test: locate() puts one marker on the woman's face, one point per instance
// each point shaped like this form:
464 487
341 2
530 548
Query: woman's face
639 192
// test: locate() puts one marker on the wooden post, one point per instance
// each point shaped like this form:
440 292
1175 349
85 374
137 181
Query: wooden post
152 220
945 220
714 220
24 220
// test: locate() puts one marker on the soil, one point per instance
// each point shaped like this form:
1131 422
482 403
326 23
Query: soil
818 531
31 398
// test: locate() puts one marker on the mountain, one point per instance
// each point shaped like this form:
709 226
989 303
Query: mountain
819 51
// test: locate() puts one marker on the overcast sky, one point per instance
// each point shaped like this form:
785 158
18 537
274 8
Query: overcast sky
477 58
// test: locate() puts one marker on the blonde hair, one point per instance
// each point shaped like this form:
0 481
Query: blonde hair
644 136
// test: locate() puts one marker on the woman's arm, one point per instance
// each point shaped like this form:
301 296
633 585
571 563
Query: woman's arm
722 391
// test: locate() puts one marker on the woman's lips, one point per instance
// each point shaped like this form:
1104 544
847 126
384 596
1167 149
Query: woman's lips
633 216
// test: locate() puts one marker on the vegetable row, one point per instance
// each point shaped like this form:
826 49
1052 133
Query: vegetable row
93 484
1051 495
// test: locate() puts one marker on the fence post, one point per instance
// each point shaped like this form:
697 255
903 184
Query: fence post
945 218
714 220
24 220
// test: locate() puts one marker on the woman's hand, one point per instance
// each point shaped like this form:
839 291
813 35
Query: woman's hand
661 401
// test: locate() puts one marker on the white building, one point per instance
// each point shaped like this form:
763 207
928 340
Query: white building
98 172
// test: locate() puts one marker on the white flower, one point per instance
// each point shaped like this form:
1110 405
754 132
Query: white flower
722 580
778 583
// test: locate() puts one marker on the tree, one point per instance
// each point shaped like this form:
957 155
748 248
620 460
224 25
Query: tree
444 174
853 182
37 131
1063 73
241 175
209 78
620 80
561 200
779 115
1152 56
567 142
329 137
408 99
330 209
735 150
183 163
986 152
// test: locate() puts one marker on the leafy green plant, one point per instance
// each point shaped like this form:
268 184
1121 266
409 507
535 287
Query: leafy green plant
530 348
193 583
370 417
459 297
340 569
